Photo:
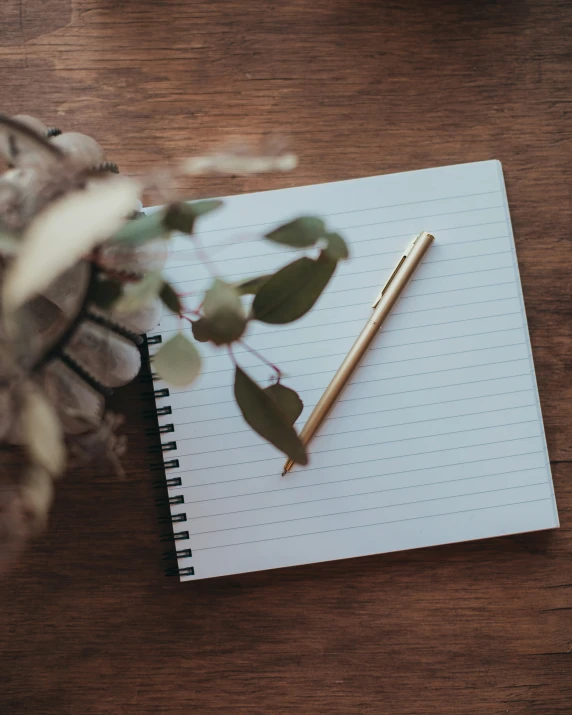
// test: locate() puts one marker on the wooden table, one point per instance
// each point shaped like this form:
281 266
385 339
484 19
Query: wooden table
89 622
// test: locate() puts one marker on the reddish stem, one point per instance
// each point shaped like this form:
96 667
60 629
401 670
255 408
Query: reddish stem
263 359
232 356
204 256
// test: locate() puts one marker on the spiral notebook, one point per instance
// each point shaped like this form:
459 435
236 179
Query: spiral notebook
437 439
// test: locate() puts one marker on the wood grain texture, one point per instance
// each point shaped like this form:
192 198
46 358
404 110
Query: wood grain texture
88 623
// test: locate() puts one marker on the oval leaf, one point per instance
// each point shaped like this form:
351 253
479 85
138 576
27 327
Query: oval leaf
181 217
293 290
141 294
265 417
42 432
303 232
221 296
37 493
224 313
251 286
200 208
68 229
177 361
201 330
336 247
287 400
142 229
171 299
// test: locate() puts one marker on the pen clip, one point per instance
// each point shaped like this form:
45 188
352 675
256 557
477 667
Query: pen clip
395 270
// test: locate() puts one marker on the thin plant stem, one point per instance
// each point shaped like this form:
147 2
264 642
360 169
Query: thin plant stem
204 257
263 359
232 355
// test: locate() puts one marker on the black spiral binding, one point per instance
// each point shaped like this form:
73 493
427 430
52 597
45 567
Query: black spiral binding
166 466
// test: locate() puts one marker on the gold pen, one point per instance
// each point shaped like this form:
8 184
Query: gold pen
387 298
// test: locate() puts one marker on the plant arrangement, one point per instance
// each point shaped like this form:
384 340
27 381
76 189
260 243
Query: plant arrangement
81 281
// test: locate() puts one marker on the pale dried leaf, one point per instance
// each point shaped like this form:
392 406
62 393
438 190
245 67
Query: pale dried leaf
139 295
42 431
139 321
15 529
231 164
219 297
66 231
223 313
24 505
178 361
37 493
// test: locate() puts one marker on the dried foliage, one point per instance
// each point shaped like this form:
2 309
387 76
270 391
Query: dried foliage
81 279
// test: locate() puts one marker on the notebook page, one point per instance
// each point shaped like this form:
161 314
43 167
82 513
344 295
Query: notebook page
437 439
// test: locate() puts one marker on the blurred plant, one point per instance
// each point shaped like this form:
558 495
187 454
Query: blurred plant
81 280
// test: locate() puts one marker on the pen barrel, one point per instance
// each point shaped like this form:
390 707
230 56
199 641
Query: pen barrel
365 338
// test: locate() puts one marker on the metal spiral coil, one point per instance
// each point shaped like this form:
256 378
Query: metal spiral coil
166 466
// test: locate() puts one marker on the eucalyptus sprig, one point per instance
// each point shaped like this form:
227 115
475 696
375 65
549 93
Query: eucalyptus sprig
71 232
223 317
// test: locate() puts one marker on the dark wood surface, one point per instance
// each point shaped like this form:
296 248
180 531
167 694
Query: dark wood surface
88 622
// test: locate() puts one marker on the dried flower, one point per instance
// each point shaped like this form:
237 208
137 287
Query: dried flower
100 444
81 279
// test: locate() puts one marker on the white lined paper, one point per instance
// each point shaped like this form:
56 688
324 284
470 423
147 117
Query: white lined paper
439 436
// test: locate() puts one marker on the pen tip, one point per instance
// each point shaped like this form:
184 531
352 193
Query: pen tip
287 466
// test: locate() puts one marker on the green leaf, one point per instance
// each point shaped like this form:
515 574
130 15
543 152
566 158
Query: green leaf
200 208
265 417
140 295
293 290
171 299
105 292
177 361
201 331
336 247
303 232
251 286
287 400
181 217
142 229
224 314
221 296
